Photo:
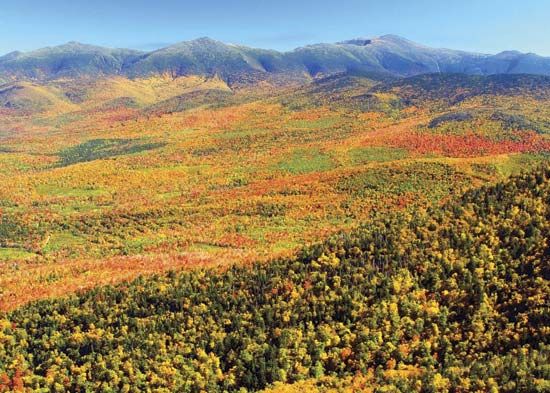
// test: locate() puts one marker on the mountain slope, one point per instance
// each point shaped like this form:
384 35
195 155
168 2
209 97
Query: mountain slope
454 88
401 57
205 56
70 60
389 54
28 97
452 299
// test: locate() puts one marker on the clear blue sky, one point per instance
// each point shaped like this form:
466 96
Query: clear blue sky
478 25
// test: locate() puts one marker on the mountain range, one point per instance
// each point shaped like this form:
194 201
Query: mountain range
388 55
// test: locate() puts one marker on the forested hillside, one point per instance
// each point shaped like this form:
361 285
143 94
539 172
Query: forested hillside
444 299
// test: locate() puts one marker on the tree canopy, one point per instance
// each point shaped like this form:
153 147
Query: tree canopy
452 299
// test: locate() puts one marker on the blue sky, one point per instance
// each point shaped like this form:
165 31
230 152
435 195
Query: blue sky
479 25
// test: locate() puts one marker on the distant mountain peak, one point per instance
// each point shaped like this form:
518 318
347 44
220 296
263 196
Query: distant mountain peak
388 54
197 43
357 42
387 39
76 45
205 40
363 41
397 40
393 37
509 53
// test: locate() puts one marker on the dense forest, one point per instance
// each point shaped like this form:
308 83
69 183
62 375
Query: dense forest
454 298
106 179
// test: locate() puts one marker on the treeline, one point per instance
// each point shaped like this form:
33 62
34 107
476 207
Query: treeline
449 299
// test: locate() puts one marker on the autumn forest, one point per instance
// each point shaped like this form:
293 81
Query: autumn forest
356 231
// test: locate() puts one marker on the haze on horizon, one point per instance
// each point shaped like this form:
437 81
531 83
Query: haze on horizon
491 27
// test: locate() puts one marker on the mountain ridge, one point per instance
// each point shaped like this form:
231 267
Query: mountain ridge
390 54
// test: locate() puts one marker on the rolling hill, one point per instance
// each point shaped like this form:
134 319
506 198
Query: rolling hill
105 175
30 97
370 215
448 298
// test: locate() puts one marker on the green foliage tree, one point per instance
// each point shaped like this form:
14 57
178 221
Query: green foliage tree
449 299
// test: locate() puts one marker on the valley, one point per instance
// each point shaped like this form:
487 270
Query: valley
242 181
369 215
